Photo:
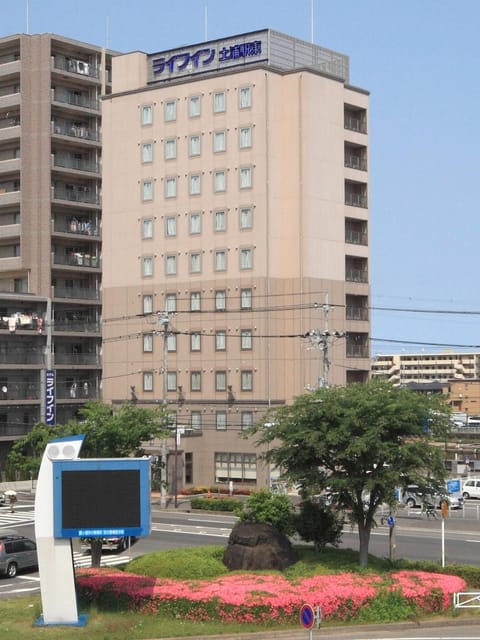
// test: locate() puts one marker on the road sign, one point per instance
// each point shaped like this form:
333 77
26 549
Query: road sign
307 616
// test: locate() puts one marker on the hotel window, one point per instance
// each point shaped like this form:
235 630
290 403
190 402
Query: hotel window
195 262
245 139
147 266
147 152
147 190
147 304
147 228
220 221
194 184
170 110
171 381
171 226
220 260
170 148
245 177
219 102
247 380
246 218
195 301
170 187
221 420
171 265
171 342
196 381
148 380
195 342
245 97
220 380
147 342
220 340
220 300
195 223
247 419
245 299
219 181
196 420
219 141
194 106
194 145
171 302
246 258
147 114
246 339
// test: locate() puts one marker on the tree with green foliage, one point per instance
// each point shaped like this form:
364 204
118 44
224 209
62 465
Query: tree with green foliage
269 508
319 523
360 442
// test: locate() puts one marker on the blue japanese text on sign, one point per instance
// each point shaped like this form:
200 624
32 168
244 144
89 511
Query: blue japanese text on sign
50 397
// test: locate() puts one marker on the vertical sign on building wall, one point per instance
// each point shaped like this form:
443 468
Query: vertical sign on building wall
50 397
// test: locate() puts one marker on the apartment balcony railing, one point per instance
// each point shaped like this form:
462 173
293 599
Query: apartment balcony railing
10 99
356 313
355 162
77 358
20 392
78 164
73 65
22 356
76 131
357 351
356 275
76 226
77 194
75 391
86 326
356 237
76 99
14 429
356 200
355 124
77 260
78 293
11 121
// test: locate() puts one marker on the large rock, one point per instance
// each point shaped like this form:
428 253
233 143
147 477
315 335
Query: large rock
258 546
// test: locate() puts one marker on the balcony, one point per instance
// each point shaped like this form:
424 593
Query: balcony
9 231
75 99
76 259
10 98
357 351
9 66
76 193
10 165
355 312
355 119
89 359
356 275
63 161
76 226
356 200
75 66
77 326
353 161
23 356
78 293
78 131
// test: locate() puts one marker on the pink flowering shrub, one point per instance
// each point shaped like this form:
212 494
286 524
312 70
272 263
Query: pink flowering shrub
249 597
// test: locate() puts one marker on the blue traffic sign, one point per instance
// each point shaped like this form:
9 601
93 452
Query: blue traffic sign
307 616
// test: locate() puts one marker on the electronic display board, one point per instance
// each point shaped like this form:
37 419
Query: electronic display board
101 498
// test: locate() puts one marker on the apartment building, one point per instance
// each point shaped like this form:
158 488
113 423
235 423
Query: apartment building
235 239
405 368
50 229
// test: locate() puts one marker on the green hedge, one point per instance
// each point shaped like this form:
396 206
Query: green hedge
216 504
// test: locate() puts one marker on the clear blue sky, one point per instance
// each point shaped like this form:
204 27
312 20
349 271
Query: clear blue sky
420 59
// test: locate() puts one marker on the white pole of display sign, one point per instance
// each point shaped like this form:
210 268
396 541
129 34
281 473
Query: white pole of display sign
55 562
443 542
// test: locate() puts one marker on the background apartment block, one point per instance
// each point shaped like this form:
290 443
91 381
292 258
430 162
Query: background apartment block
235 223
50 227
405 368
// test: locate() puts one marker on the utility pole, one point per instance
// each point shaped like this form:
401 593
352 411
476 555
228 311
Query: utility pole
320 339
163 319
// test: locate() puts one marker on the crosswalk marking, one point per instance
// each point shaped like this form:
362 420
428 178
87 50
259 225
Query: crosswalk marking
81 560
16 518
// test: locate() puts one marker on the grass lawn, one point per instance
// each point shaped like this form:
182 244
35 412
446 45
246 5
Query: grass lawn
18 614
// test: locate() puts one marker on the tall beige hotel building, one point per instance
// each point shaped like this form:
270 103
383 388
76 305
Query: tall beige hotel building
235 259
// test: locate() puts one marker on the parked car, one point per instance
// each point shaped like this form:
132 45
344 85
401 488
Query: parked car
119 543
3 499
16 553
471 489
412 497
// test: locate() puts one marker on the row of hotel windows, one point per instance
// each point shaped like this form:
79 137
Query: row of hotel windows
246 381
245 301
245 257
219 142
194 102
170 183
245 221
245 336
222 420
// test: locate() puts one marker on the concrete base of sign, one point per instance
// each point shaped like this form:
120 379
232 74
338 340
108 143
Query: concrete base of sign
81 622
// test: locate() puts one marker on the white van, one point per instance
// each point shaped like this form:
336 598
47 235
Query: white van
471 489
